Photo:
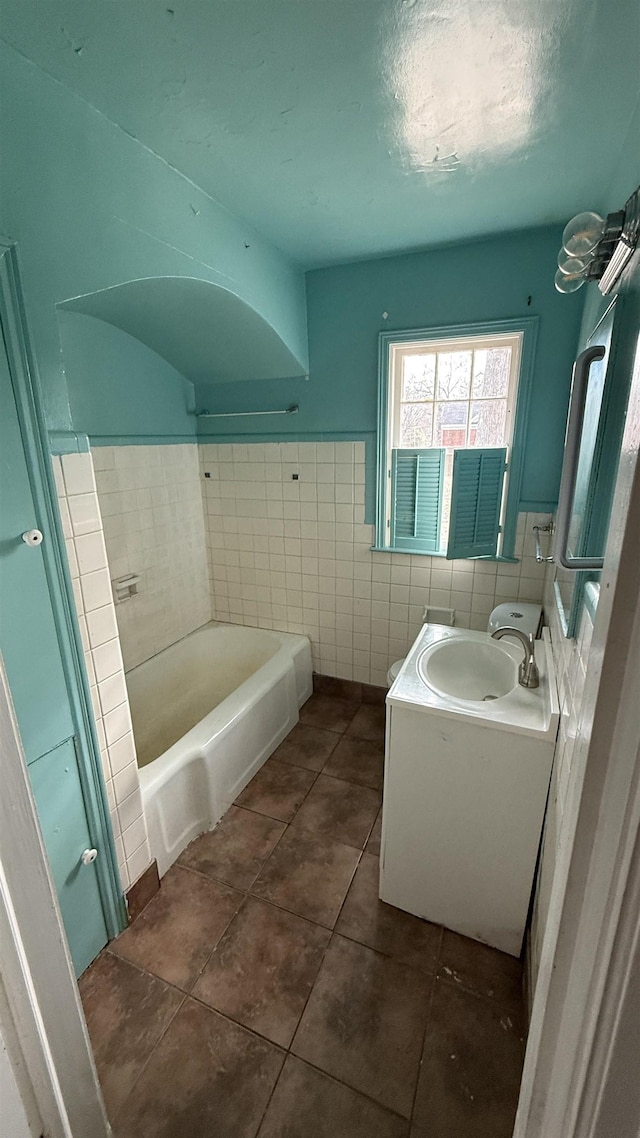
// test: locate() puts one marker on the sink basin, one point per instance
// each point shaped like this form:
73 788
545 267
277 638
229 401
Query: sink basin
458 674
472 670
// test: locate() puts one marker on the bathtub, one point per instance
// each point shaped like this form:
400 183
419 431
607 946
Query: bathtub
207 712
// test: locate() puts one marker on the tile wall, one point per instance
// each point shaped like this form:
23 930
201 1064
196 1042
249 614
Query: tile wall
151 506
293 553
87 556
570 658
284 552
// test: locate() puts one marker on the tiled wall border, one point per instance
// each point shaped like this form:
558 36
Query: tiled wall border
87 557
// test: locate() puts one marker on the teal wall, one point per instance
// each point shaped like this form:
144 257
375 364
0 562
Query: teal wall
120 390
498 278
90 207
625 177
625 174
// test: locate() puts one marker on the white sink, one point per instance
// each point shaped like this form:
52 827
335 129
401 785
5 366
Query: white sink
466 782
455 672
468 669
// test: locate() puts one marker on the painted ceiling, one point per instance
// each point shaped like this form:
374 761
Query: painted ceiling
351 128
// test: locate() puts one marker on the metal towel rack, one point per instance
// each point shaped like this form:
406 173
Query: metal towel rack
561 553
292 410
538 530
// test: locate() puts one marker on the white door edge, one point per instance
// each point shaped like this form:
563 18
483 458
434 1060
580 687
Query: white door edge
39 984
585 984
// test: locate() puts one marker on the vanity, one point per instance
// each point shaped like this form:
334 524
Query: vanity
468 760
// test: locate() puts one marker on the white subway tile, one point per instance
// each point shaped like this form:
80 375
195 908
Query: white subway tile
441 578
74 570
529 589
107 659
84 514
96 589
112 691
117 723
78 474
134 837
101 625
483 585
91 552
138 862
440 598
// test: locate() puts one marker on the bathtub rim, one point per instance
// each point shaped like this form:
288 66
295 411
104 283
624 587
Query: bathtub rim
221 719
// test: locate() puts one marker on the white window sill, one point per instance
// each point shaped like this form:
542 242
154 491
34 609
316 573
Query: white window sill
439 553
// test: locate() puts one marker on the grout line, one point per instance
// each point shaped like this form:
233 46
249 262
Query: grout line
286 823
286 1052
158 1040
153 1049
258 813
222 934
424 1039
354 1090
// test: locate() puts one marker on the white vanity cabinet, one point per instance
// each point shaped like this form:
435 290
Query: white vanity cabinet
464 798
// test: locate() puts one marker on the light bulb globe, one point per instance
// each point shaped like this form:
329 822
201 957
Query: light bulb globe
582 234
566 283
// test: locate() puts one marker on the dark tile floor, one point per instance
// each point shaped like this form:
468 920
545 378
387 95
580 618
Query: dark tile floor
266 991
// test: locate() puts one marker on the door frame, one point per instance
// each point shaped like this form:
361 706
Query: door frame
42 1018
580 1073
35 440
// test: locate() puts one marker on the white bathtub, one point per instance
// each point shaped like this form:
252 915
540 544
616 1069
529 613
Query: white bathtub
207 712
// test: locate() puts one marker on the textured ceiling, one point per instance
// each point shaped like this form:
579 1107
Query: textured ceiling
350 128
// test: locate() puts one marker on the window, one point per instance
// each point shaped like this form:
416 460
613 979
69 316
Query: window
446 441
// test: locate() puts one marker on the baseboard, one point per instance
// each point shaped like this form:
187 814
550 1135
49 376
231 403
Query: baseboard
348 689
142 891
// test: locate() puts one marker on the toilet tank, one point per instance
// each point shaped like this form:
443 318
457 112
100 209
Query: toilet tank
517 614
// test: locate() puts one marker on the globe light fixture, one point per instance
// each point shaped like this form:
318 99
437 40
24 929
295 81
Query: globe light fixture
598 249
582 234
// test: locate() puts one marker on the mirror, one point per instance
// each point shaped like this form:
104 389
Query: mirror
595 478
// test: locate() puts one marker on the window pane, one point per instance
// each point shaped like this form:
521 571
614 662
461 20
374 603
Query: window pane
488 421
451 425
418 376
416 424
454 375
491 372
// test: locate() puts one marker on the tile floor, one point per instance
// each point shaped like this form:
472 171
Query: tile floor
266 992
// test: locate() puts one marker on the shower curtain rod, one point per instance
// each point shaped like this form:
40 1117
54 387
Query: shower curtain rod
292 410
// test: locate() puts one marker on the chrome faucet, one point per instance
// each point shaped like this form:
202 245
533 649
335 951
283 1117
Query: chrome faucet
528 676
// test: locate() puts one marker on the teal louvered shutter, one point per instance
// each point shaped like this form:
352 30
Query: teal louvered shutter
476 498
417 480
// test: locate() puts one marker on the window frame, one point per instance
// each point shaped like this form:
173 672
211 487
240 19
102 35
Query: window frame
390 342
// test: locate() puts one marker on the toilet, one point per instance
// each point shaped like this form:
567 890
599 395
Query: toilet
392 674
517 614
